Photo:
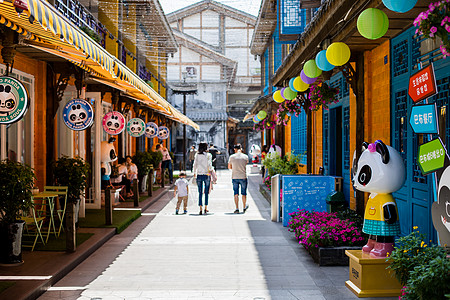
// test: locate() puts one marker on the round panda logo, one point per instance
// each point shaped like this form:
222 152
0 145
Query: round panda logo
135 127
13 100
151 130
163 132
78 114
113 123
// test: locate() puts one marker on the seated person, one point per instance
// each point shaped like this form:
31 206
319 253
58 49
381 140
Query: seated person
120 180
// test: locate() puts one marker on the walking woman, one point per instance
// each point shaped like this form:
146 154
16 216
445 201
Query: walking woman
202 168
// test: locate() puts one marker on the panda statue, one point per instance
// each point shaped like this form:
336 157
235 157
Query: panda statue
108 155
379 171
274 151
254 152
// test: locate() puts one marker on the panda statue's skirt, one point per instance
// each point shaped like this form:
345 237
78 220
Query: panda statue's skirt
374 219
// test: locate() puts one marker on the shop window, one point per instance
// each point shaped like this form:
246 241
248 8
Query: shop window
325 139
347 138
400 58
17 140
299 136
400 133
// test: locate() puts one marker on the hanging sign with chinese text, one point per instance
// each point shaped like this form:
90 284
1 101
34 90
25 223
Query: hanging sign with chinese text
151 130
13 100
163 132
423 119
431 156
78 114
113 123
422 84
136 127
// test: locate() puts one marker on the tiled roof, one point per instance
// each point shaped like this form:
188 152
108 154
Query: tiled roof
207 116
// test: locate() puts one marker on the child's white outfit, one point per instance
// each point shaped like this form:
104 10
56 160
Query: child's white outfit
182 190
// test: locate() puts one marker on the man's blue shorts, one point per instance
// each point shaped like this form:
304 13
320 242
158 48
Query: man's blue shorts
242 183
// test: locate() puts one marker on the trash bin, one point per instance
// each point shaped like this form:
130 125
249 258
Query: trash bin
336 202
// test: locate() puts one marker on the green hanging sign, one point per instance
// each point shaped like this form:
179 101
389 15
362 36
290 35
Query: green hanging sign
431 156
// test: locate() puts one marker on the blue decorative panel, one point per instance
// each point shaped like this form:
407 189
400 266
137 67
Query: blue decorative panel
346 138
400 58
291 18
326 151
401 121
299 135
266 72
305 192
277 48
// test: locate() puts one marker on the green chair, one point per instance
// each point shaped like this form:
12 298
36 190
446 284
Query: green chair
34 220
61 191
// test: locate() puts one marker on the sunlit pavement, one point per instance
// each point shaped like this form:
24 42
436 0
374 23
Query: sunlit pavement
221 255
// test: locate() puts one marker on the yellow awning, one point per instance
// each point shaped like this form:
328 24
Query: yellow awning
45 28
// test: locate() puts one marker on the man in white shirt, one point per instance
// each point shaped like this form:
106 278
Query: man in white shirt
238 166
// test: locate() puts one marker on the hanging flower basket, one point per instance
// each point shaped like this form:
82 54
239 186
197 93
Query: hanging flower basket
320 94
435 22
264 124
289 109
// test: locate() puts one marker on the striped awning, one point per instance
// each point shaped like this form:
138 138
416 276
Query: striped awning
45 28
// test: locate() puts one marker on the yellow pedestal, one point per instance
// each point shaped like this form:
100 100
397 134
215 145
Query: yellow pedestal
369 276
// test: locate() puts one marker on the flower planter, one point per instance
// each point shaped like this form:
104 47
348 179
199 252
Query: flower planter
331 256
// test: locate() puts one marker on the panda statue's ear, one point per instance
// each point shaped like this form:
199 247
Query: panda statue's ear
383 150
365 146
111 140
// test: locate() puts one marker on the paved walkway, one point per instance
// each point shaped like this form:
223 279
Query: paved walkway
218 256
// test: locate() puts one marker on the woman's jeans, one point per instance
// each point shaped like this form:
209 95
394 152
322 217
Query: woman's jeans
200 180
167 164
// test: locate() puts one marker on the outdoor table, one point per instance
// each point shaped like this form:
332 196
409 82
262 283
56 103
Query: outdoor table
50 203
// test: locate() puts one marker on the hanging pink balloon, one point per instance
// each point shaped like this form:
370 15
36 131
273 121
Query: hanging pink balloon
306 79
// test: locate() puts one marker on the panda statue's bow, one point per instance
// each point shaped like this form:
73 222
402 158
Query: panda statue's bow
379 171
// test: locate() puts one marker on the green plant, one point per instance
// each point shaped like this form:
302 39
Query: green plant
435 22
320 94
147 160
414 261
287 165
429 281
15 189
91 33
71 172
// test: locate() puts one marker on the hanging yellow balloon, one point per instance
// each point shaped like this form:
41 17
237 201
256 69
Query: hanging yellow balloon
277 97
338 54
299 85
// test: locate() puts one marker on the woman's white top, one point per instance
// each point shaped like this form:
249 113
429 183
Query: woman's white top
202 163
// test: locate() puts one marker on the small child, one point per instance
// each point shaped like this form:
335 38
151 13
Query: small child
181 185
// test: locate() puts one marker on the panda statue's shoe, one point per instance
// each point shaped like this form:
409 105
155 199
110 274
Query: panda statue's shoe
369 246
382 250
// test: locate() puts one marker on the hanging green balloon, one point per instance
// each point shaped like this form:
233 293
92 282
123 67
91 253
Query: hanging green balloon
372 23
262 115
311 70
289 94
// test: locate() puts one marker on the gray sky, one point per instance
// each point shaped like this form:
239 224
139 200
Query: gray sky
248 6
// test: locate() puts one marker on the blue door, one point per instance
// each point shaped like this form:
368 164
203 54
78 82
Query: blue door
336 135
414 200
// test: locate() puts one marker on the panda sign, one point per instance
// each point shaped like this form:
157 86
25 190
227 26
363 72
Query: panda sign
78 114
163 132
13 100
113 123
151 130
136 127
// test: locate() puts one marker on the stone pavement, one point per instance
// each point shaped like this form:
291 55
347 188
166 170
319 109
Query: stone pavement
216 256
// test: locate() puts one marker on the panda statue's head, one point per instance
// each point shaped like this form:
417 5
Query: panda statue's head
108 151
8 101
379 169
255 150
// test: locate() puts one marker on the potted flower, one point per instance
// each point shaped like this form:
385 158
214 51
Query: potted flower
71 172
326 236
434 23
15 188
146 161
422 268
320 94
